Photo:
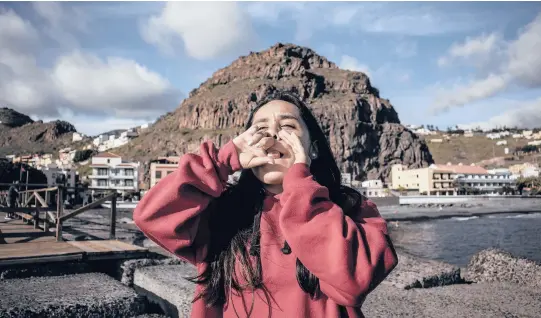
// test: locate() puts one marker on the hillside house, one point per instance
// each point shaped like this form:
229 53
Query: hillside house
77 137
107 142
54 174
501 143
110 172
162 167
372 188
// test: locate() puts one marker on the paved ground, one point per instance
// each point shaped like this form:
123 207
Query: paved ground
82 295
483 300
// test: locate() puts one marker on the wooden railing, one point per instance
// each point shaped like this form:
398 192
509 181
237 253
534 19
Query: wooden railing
32 202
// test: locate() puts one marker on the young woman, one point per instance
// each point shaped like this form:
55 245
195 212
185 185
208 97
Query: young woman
288 240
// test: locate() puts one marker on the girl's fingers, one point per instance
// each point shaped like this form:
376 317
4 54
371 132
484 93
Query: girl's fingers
296 140
259 161
265 143
289 140
253 139
258 152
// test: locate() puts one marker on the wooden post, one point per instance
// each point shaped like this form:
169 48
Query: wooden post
59 212
46 223
36 218
112 229
47 197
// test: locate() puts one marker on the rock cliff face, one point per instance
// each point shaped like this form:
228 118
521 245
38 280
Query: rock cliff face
21 135
12 118
363 129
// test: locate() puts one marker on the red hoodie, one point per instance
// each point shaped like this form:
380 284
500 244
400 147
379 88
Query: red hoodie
349 255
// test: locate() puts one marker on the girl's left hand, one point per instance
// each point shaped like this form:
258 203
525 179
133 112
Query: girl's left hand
295 146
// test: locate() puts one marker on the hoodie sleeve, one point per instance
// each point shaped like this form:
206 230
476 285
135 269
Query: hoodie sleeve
349 255
170 213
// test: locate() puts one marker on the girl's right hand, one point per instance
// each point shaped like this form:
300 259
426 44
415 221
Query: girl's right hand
251 147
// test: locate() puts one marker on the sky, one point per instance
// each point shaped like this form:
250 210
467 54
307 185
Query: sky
116 65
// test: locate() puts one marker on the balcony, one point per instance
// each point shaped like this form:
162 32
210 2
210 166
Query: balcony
99 176
122 176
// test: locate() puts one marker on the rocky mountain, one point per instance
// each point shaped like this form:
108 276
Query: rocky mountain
21 135
12 118
364 129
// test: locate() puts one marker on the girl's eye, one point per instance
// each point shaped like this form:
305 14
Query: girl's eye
261 128
288 126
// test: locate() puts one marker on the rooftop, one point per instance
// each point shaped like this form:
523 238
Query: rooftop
106 155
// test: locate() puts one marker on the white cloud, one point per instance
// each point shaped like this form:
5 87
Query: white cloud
78 81
118 86
207 29
521 67
60 21
525 57
382 73
478 48
463 94
352 64
522 115
396 18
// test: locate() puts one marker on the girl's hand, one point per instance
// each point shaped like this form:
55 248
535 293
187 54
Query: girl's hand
251 147
295 146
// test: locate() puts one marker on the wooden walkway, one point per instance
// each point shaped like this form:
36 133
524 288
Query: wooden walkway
20 243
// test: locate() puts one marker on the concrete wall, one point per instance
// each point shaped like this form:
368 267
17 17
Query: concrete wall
424 199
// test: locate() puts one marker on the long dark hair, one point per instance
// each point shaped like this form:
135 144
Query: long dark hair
234 219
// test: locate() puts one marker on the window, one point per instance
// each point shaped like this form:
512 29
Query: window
102 183
158 174
102 172
128 183
128 172
108 160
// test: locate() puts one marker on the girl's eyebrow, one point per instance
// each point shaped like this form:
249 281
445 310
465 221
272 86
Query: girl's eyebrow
278 116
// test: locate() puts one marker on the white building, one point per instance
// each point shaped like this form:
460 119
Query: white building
104 142
494 136
490 182
372 188
424 131
501 142
530 172
346 178
77 137
53 173
109 172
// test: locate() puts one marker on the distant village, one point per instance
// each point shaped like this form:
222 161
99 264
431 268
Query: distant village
107 170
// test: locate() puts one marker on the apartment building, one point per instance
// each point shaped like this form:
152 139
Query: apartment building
432 180
372 188
162 167
56 175
476 177
110 172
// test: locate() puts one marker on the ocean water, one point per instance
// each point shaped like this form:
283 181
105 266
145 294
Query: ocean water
455 240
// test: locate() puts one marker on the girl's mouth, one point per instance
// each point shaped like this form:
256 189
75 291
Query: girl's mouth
274 154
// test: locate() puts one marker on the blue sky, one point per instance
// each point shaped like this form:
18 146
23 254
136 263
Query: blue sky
115 65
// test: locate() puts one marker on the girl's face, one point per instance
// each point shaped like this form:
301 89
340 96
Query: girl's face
270 119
